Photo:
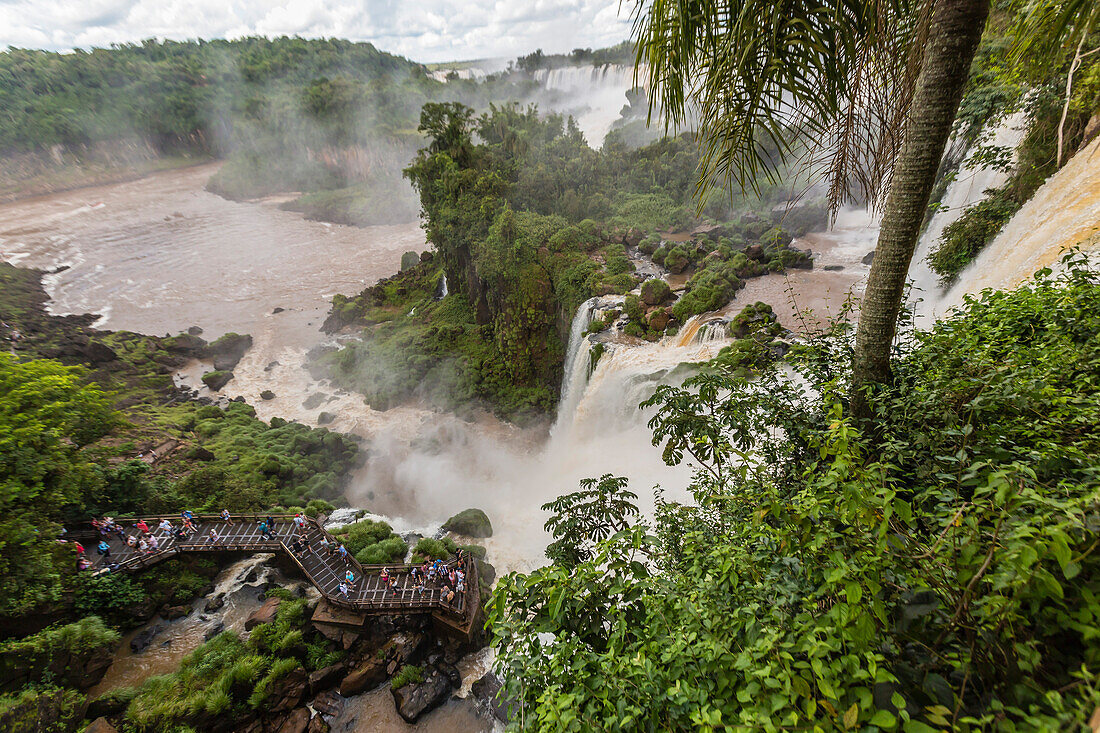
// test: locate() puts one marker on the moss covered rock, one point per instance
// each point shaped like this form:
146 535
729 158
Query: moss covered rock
471 523
655 291
217 379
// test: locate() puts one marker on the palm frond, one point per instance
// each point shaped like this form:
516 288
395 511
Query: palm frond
826 83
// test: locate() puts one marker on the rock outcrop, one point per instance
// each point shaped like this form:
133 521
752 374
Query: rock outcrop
471 523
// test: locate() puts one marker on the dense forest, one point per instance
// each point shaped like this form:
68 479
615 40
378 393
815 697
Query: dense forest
528 222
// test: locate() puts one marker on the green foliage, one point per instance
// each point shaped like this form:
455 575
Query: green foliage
655 291
964 238
408 674
941 574
409 260
46 415
710 288
372 542
430 549
107 595
41 709
584 518
58 653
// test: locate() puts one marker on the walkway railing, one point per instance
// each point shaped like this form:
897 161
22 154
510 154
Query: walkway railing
325 571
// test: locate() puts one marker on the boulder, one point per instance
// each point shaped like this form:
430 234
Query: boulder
98 352
201 454
188 344
868 258
194 331
655 291
318 725
215 380
755 252
471 523
833 268
314 400
296 722
145 637
267 394
265 614
659 318
213 631
277 311
287 693
325 418
487 692
328 703
171 613
100 725
325 678
228 350
367 676
416 698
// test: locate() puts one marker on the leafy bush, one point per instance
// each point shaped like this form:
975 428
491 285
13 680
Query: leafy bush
655 291
427 548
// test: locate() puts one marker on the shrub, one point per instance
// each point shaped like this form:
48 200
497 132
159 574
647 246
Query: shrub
964 238
677 260
632 307
431 549
655 291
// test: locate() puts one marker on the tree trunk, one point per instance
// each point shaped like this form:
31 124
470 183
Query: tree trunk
956 27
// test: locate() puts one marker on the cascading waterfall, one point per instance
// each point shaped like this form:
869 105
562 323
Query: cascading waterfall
1063 213
593 95
576 364
971 182
444 290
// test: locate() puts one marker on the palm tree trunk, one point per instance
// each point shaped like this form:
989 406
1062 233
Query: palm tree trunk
956 27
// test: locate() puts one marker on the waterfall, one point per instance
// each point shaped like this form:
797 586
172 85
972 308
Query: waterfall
968 188
443 290
593 95
1063 213
576 364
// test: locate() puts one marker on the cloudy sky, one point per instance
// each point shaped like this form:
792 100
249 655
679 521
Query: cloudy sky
424 30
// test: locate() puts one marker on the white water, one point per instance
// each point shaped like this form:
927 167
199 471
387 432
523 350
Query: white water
971 182
1063 213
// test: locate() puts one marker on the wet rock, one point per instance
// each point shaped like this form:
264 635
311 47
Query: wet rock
186 343
213 631
215 380
470 522
365 677
215 603
328 703
755 252
267 394
171 613
416 698
100 725
487 692
228 350
106 705
325 678
271 365
145 637
868 258
325 418
655 292
659 318
318 725
296 722
288 692
265 614
833 268
486 572
194 331
277 310
314 400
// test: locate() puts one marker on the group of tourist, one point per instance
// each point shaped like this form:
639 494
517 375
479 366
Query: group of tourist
438 573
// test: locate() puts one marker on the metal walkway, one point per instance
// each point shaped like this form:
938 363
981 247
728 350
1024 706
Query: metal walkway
367 595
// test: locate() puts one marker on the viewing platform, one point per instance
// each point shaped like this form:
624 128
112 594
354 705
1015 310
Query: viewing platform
367 596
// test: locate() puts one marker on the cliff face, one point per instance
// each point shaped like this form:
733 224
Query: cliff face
64 167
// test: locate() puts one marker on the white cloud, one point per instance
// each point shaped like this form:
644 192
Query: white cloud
424 30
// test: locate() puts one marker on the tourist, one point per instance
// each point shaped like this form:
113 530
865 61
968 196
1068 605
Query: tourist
103 548
181 534
79 547
447 595
344 554
326 546
213 539
165 526
83 563
270 522
143 546
153 544
117 529
299 523
265 530
142 526
349 577
188 527
420 588
131 541
343 587
225 517
187 515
